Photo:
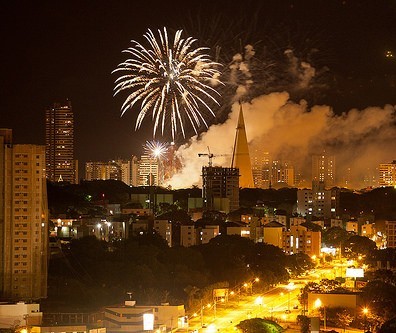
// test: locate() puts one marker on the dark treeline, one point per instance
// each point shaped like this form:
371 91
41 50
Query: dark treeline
90 274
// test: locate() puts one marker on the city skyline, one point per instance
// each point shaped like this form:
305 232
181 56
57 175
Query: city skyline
68 51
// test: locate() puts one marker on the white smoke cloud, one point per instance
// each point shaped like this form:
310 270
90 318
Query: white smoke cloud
359 139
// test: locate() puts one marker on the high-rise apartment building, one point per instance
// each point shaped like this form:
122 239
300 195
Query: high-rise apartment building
23 220
59 143
220 190
323 169
319 202
261 168
282 173
126 171
149 171
387 174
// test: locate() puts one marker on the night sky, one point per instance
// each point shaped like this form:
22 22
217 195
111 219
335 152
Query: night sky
58 50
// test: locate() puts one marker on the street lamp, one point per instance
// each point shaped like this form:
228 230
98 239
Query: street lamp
365 311
290 287
318 304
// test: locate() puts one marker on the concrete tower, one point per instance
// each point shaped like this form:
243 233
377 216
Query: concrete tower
240 155
23 220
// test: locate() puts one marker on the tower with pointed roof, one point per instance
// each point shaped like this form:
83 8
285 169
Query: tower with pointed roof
240 155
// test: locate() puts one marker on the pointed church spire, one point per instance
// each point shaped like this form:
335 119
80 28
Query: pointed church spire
240 155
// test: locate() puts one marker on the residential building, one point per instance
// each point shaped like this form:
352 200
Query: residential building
188 235
367 230
273 233
261 165
336 223
59 144
282 219
238 229
323 169
207 233
387 174
390 231
220 190
295 221
23 220
282 174
164 229
123 170
149 171
352 226
319 202
301 239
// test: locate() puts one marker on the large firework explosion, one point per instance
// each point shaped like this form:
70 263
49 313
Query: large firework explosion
171 80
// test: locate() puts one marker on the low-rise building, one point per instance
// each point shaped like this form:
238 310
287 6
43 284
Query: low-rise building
133 318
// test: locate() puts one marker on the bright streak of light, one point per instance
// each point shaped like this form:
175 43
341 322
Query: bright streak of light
155 149
172 80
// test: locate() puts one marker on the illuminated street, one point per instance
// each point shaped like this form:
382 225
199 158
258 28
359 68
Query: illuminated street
274 304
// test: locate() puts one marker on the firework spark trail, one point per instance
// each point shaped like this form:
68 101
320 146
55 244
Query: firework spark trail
171 81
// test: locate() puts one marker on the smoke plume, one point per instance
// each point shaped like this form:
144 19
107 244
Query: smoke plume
359 139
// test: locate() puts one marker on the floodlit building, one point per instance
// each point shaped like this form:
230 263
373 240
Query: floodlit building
59 144
387 174
23 220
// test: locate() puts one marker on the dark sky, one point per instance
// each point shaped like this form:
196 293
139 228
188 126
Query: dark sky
53 50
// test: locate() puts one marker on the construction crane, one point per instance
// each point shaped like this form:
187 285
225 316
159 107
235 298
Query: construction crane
210 156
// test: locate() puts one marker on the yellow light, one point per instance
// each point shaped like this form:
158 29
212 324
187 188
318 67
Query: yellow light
365 311
24 330
318 303
208 305
256 279
259 300
313 257
245 285
232 293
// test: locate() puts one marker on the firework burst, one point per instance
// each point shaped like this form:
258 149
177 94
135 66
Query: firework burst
155 149
174 82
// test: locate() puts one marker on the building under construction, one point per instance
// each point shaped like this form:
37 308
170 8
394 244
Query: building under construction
220 189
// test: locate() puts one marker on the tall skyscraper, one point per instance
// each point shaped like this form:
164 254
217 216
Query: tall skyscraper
59 143
240 156
23 220
323 169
